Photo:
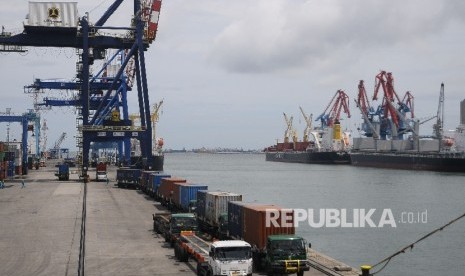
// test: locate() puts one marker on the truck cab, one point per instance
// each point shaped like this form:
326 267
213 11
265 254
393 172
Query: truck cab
230 258
180 222
286 254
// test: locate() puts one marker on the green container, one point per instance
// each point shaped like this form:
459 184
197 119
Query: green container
2 155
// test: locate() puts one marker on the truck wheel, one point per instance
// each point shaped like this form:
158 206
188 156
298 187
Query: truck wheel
300 273
176 252
184 255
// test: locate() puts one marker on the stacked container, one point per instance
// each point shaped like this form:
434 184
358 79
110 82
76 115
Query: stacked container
248 221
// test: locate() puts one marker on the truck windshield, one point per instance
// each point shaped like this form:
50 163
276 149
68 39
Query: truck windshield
185 223
233 253
288 245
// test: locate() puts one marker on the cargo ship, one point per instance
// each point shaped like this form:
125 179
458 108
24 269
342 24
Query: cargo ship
391 140
392 157
328 146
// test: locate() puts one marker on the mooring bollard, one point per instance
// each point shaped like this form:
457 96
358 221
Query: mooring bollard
365 270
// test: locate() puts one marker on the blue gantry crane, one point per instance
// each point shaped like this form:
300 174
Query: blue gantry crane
24 120
72 31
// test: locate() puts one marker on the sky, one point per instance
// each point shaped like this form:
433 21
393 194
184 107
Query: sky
227 70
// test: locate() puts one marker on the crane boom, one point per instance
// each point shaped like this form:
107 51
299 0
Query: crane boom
439 126
308 127
339 102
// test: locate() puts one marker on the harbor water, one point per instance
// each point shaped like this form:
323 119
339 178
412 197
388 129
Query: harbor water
402 205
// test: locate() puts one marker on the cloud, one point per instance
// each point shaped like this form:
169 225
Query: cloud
273 35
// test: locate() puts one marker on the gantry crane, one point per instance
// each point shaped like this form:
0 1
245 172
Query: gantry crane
92 44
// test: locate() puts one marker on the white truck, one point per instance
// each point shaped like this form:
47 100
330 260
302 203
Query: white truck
232 257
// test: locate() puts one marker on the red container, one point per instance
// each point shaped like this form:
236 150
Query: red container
167 187
255 229
101 167
177 192
18 170
2 148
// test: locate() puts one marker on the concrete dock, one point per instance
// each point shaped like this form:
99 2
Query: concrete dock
40 229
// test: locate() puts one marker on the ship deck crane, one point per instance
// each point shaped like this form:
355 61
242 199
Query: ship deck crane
290 131
155 116
308 127
92 44
438 127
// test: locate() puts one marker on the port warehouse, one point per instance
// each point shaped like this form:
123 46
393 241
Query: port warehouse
219 214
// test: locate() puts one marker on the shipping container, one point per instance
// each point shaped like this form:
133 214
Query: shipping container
236 218
18 170
154 183
2 147
60 15
188 194
200 209
216 205
144 179
127 177
255 229
166 189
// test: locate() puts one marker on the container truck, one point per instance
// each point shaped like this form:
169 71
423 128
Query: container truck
63 172
215 258
171 225
101 172
276 248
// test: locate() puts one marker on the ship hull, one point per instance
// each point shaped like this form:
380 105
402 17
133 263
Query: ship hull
330 157
154 164
443 162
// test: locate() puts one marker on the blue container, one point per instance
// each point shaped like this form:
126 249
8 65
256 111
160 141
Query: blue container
11 165
156 182
188 193
201 209
144 179
10 172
